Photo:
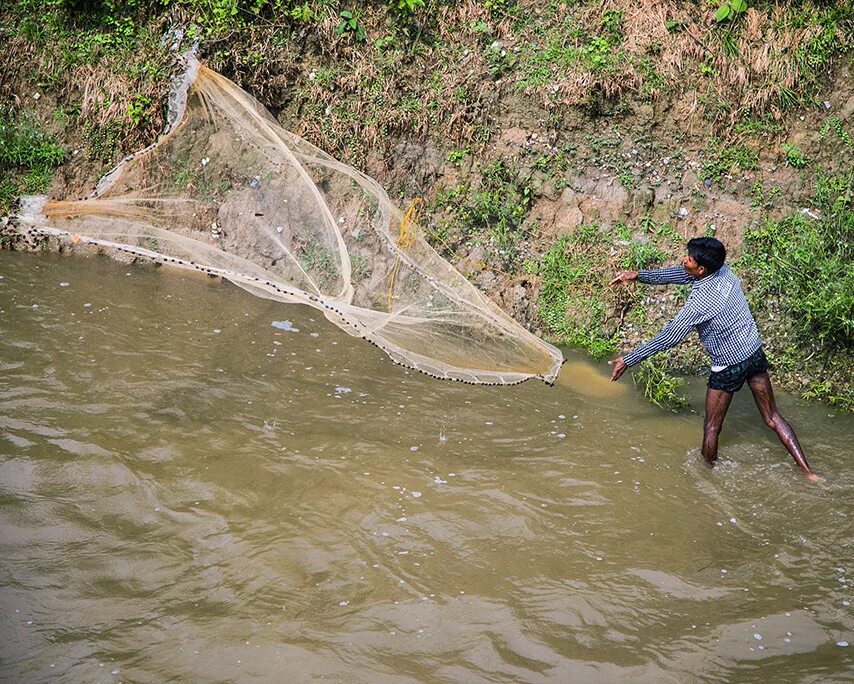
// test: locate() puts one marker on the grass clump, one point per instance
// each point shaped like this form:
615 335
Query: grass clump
720 159
658 385
28 156
803 270
795 156
573 291
492 214
810 263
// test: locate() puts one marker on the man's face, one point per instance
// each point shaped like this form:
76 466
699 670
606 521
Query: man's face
692 268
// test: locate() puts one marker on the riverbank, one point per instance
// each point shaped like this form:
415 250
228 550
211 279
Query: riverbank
553 145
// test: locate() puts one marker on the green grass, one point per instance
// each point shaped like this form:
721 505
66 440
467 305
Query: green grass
802 270
795 156
658 385
720 159
28 156
810 263
492 214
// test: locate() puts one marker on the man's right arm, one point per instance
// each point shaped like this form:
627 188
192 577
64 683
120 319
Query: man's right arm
665 276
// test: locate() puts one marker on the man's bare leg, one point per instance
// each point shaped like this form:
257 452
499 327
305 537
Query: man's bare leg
763 394
717 404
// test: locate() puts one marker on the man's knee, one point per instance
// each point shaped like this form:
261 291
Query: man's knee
773 420
711 426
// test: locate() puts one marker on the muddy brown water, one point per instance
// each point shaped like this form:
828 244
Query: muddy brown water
190 494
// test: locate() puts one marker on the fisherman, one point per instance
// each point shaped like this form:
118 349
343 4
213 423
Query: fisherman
718 310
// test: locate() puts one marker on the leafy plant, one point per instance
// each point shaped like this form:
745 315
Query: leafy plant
833 123
302 13
455 156
385 42
351 25
730 10
138 110
659 387
612 22
794 156
500 8
406 6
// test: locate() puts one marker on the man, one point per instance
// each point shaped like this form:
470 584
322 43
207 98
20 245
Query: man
718 310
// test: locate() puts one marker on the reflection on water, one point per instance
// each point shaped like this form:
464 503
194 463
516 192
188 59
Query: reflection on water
190 493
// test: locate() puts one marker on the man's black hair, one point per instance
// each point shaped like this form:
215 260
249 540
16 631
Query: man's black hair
707 252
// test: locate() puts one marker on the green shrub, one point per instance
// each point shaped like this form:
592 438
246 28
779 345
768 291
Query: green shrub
28 156
24 144
659 387
809 264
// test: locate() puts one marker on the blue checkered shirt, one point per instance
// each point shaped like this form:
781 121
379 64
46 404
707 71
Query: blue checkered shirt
718 310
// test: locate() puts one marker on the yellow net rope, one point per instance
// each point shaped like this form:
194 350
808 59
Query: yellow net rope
404 241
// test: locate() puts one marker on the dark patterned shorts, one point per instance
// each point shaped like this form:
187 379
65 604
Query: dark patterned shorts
732 378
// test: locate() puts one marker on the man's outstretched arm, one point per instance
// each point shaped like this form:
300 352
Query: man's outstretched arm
660 276
675 275
696 310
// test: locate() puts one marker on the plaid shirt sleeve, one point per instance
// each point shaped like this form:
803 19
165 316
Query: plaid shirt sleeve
665 276
702 305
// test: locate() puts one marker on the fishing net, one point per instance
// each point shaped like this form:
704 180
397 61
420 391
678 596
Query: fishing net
227 191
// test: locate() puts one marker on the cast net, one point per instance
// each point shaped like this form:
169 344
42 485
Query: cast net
227 191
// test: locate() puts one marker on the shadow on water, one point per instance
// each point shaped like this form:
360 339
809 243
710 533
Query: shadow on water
192 494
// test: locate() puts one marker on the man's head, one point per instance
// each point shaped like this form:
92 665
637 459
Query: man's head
705 256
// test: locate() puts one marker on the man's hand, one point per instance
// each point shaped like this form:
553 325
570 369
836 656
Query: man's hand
624 277
619 368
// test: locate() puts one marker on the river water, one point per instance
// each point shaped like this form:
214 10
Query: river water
189 493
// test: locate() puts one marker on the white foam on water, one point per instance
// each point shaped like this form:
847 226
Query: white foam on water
287 326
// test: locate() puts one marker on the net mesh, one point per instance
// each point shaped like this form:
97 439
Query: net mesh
227 191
